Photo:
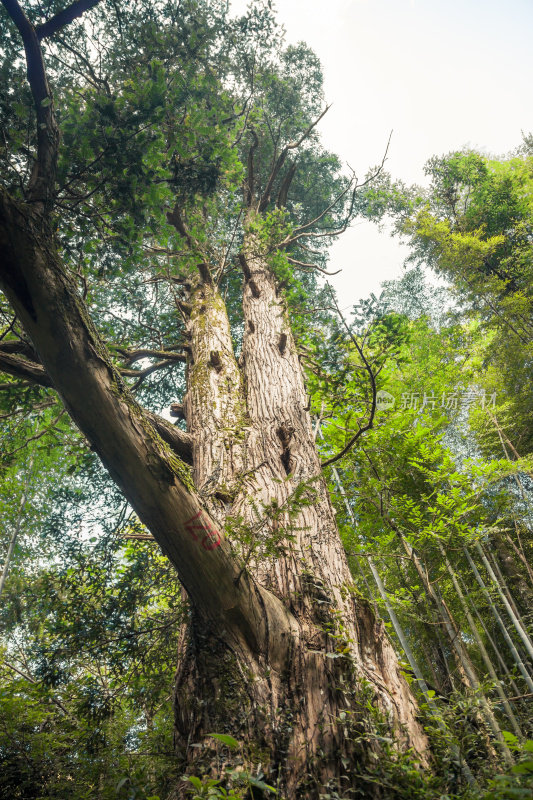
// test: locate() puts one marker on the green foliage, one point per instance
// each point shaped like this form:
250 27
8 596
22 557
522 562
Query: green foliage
238 781
416 480
473 225
518 783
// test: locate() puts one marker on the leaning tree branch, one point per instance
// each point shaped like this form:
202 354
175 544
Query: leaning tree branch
64 17
179 441
368 368
120 431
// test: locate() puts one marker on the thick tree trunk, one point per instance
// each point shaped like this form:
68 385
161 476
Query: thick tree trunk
308 725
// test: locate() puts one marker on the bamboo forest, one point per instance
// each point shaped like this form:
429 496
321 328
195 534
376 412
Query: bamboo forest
258 538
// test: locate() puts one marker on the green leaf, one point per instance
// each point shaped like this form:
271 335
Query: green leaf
229 741
523 768
261 785
509 737
196 782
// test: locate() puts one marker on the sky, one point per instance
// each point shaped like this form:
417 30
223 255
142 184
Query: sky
440 74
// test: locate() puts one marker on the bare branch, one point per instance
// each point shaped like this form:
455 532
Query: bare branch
285 186
249 186
22 368
142 374
304 265
303 230
18 347
175 219
135 355
370 422
265 199
305 134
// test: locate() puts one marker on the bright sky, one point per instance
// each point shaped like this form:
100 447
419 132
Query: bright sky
442 74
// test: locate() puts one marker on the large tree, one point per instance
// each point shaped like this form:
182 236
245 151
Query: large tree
160 165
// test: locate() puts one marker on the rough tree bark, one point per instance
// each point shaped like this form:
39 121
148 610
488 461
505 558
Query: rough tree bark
278 650
302 723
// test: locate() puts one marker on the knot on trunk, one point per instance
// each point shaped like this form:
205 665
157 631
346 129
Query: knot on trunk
176 410
244 266
254 289
215 360
285 433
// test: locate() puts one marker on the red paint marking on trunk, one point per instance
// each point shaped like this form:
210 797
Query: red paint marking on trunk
195 526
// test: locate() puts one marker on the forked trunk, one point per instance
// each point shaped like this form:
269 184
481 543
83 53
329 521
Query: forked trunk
310 717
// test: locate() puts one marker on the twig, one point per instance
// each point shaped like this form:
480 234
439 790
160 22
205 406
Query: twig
370 422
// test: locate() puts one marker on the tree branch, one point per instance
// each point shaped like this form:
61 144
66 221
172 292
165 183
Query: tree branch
303 230
31 679
22 368
300 232
179 441
370 422
285 186
304 265
42 181
135 355
249 185
174 218
265 199
64 17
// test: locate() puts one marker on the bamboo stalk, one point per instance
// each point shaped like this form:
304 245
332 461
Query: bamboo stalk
489 637
402 638
514 619
484 655
499 620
